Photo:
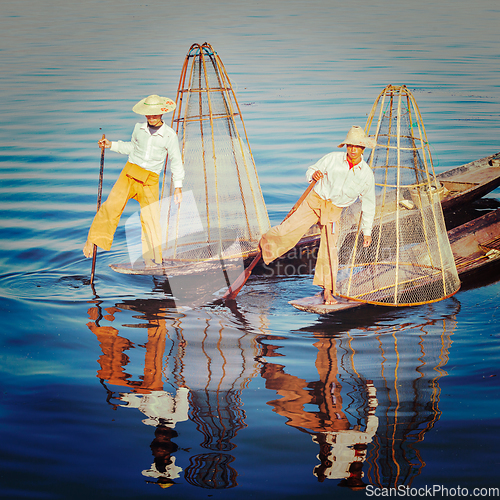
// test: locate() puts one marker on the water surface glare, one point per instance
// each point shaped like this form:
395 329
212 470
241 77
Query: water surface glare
119 394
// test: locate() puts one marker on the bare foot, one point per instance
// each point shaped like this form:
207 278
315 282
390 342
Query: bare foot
88 249
329 300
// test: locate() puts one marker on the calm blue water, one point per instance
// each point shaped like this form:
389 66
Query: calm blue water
281 404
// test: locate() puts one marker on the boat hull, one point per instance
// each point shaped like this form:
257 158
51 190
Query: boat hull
476 250
464 184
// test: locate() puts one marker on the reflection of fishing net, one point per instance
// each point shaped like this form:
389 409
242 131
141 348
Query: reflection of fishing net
410 260
220 170
211 471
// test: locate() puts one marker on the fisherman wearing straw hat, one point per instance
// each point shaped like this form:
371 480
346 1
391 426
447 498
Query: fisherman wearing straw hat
340 179
147 151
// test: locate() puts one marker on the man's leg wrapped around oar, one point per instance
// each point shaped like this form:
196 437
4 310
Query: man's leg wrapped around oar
280 239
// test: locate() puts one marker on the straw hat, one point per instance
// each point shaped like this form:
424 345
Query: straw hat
357 137
154 105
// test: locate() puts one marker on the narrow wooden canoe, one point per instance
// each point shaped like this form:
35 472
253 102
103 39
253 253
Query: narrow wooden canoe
179 268
462 185
476 250
476 244
316 305
470 182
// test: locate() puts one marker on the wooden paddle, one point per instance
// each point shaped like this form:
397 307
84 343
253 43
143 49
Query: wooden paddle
235 288
99 194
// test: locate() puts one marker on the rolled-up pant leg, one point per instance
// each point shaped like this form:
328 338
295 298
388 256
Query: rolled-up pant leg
279 239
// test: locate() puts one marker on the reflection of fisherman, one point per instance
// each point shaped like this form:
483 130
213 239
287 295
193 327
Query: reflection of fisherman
342 178
342 446
160 407
163 411
139 179
342 453
163 468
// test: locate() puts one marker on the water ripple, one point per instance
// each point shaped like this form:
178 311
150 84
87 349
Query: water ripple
40 285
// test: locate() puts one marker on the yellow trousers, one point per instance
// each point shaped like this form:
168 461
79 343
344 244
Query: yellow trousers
138 184
313 210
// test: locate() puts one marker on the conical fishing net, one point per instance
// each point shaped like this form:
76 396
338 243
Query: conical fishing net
227 215
409 261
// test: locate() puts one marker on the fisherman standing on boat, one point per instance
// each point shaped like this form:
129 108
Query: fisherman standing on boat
139 179
341 179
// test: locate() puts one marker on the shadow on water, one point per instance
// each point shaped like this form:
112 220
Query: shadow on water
370 393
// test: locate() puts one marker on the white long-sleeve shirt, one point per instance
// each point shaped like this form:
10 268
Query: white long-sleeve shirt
343 186
150 150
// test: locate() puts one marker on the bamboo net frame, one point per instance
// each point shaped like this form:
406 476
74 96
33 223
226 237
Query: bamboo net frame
410 261
220 169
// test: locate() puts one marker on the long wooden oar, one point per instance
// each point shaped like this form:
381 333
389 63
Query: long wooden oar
235 288
99 194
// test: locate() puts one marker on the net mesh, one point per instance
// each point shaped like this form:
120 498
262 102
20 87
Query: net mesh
409 261
230 211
